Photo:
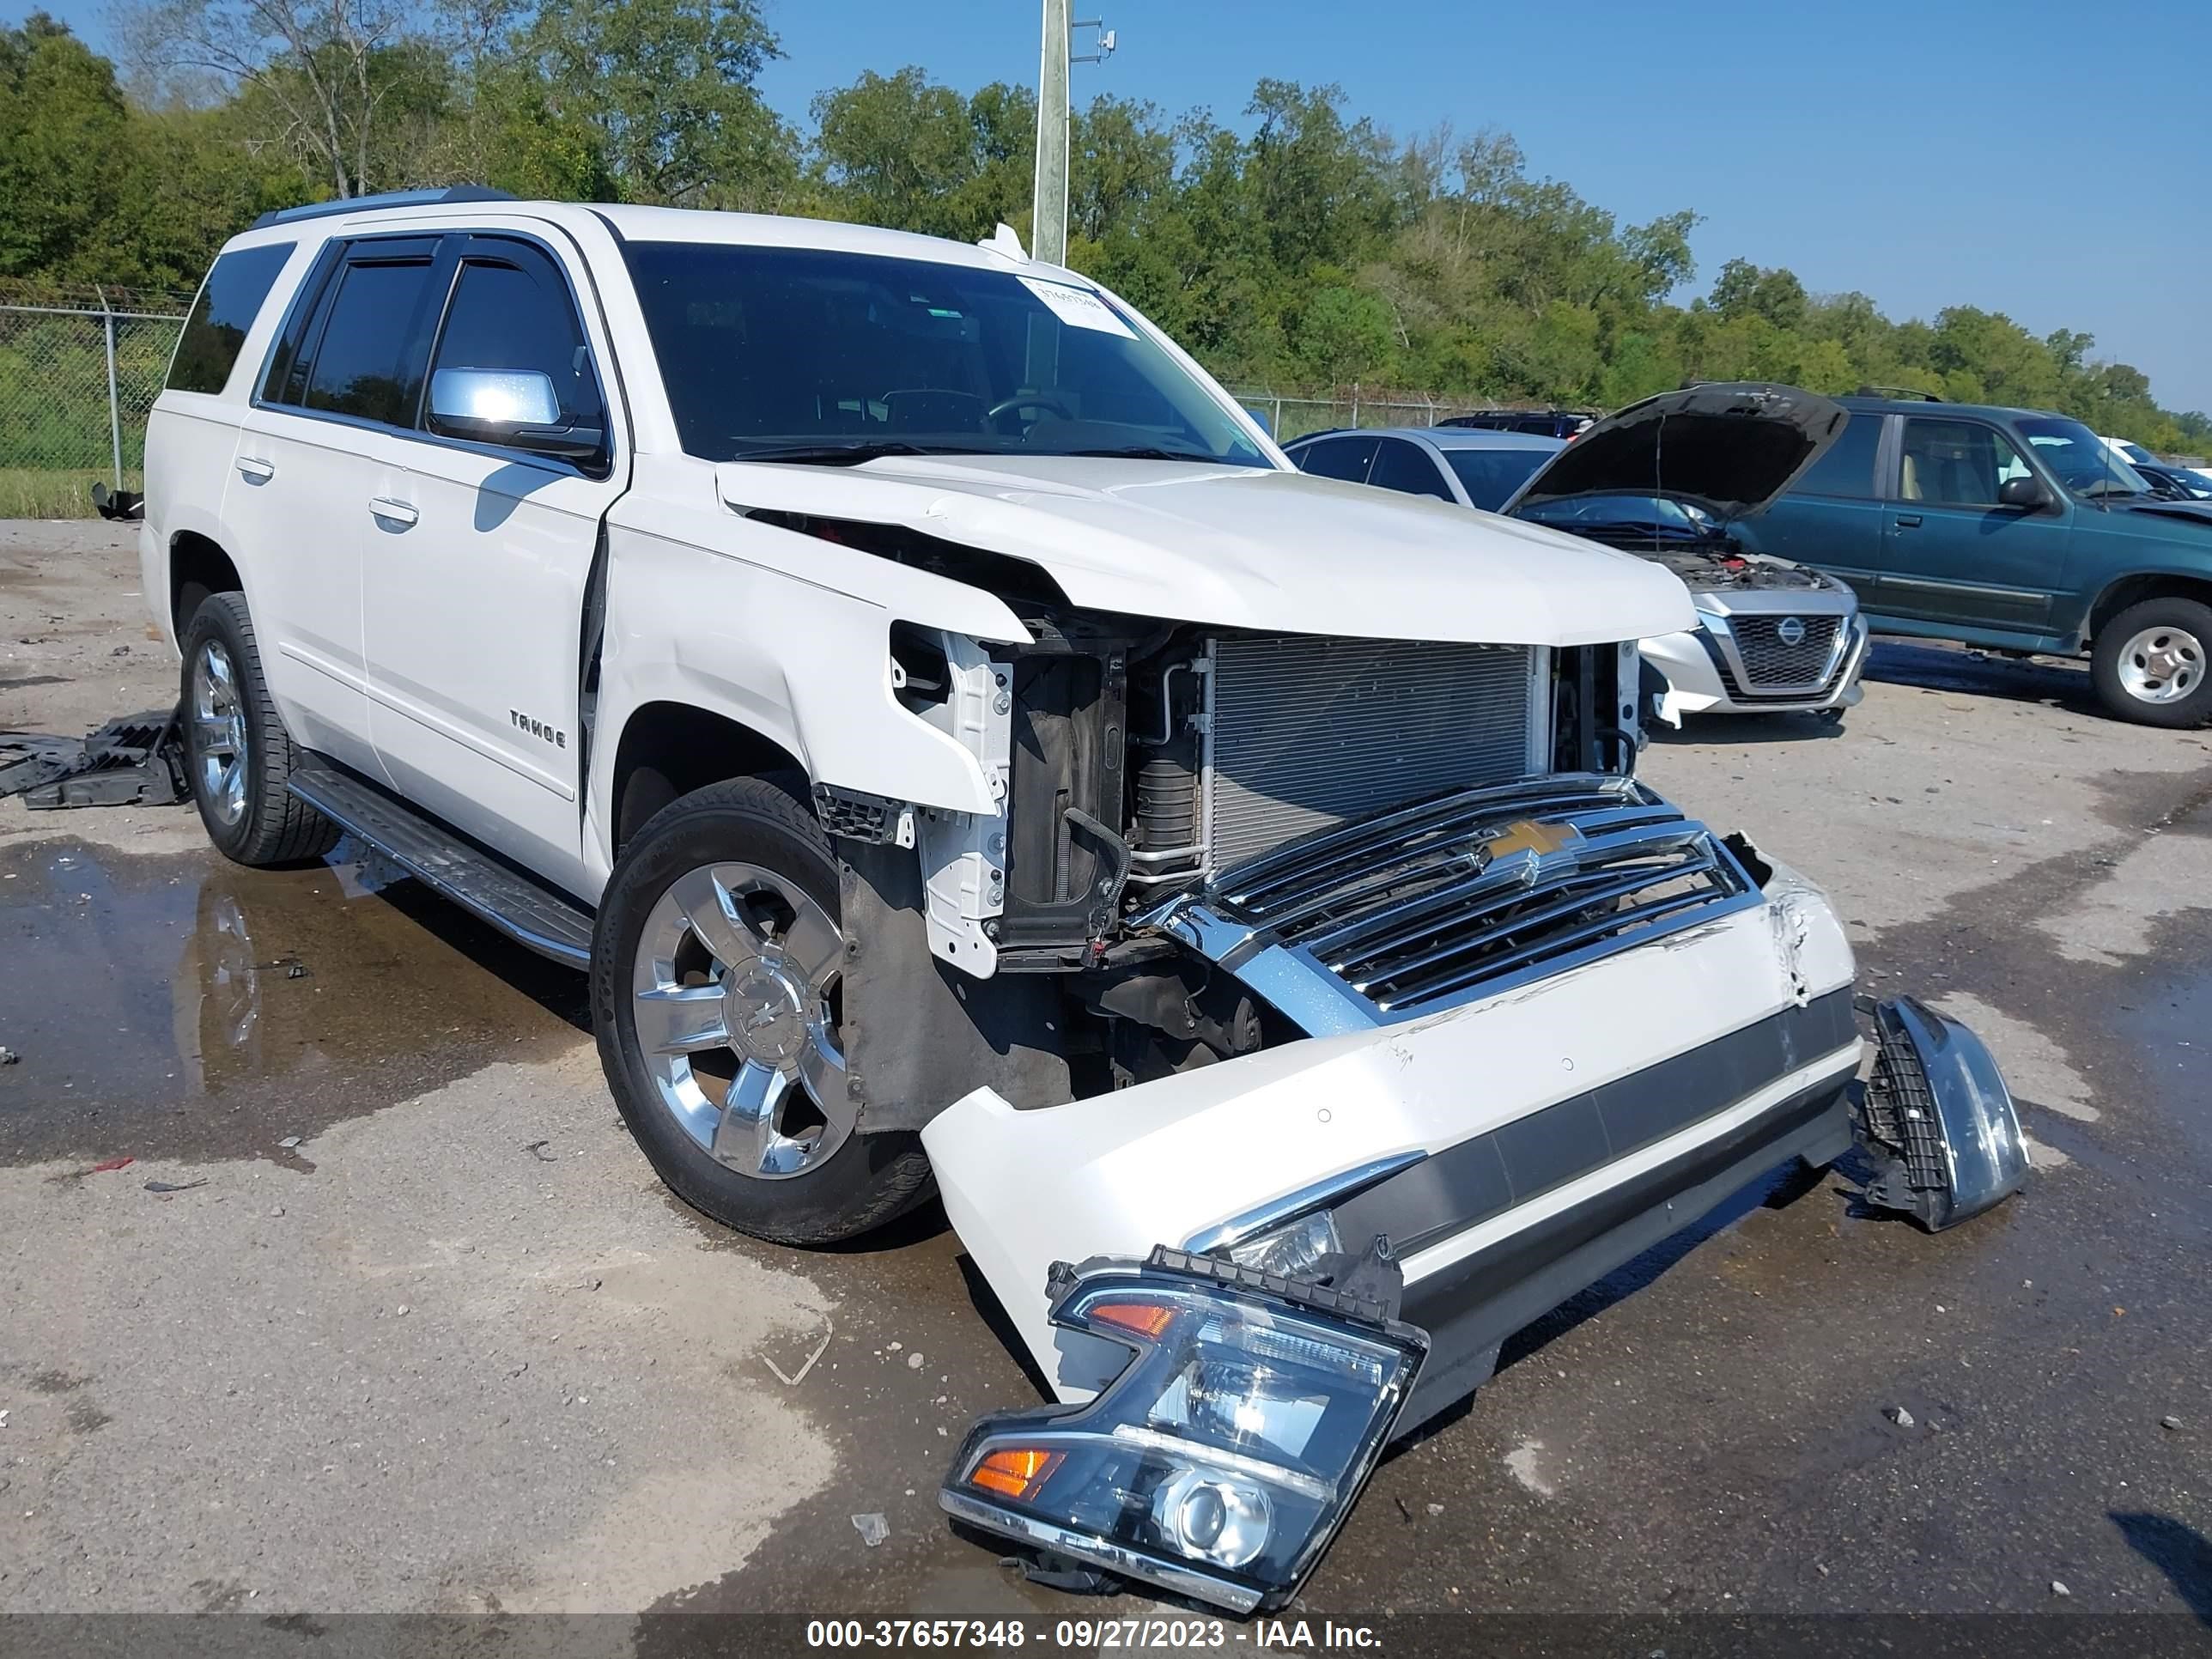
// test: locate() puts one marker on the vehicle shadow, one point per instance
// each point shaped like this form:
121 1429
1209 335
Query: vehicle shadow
1705 729
2176 1549
1934 667
1777 1189
561 990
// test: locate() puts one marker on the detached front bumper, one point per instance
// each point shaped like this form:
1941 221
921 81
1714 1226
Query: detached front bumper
1551 1024
1513 1148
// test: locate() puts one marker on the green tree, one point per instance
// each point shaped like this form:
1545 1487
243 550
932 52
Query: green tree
651 100
901 151
64 130
317 77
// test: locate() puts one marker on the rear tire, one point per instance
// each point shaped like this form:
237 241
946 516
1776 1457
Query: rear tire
2150 663
238 754
739 1098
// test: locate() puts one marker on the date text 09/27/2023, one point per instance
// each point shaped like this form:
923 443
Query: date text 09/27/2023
1093 1635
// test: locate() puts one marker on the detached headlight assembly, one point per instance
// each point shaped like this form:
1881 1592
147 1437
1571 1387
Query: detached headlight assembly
1221 1460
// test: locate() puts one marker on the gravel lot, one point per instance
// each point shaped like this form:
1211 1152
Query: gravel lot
420 1331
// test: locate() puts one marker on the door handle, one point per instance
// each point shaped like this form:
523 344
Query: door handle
255 470
1908 520
398 512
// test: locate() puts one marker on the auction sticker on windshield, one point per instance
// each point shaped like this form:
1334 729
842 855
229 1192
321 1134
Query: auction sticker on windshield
1079 307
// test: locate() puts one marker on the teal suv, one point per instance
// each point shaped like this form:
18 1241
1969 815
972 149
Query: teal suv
2015 531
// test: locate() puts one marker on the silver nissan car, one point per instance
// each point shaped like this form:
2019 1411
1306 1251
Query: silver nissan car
1774 637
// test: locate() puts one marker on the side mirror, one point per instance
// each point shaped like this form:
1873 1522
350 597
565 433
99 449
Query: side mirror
517 408
2026 493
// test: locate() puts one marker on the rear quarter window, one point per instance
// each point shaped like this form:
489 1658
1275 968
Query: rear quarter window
229 300
1847 467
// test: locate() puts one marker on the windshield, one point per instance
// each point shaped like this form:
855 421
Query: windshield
1654 512
2082 461
1489 476
803 354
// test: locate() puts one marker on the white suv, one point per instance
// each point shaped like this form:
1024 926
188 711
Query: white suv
958 745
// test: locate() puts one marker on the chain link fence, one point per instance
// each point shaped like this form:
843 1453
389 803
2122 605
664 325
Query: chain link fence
1293 415
75 385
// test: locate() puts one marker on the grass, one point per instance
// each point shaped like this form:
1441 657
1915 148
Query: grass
29 492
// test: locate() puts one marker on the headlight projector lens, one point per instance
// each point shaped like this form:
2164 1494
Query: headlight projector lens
1220 1461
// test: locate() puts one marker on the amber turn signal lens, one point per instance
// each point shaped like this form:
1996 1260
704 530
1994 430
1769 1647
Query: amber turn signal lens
1014 1474
1146 1319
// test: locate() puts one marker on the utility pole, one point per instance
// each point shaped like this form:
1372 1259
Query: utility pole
1049 231
1048 234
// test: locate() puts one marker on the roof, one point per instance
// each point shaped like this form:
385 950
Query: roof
1935 411
440 209
1444 437
395 199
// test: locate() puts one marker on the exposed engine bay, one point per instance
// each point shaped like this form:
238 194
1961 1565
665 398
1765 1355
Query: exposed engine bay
1143 761
1718 568
1691 544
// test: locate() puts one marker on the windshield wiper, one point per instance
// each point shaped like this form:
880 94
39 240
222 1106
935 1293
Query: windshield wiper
1145 453
2098 488
850 454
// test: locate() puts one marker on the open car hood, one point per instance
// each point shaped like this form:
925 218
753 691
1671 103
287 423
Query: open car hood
1729 447
1244 547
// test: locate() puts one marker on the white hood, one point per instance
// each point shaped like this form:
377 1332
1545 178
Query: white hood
1243 547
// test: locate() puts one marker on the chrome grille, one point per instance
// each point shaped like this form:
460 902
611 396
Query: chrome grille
1770 665
1475 890
1307 733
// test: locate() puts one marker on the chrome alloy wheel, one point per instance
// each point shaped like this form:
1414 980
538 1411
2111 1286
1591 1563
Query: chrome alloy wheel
218 717
2161 664
735 992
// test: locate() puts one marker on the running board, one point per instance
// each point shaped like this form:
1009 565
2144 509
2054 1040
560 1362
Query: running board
526 911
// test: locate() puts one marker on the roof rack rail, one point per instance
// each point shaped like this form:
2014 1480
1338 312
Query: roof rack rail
391 199
1902 393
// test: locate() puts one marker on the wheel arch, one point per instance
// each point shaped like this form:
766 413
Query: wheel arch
669 747
197 560
2134 588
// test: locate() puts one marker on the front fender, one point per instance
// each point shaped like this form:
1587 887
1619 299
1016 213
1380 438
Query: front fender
804 665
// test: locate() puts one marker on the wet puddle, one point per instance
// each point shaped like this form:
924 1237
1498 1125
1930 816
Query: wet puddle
2168 1020
184 1006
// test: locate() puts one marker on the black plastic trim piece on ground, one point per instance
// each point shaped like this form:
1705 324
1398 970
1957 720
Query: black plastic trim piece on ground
132 762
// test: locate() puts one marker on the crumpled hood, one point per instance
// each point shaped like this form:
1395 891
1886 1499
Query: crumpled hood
1246 547
1730 447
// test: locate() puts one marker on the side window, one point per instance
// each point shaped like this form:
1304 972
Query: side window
515 314
1955 463
1406 467
224 314
367 363
1339 458
1847 468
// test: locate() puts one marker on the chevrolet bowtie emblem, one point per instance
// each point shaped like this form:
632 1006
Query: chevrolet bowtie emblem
1526 835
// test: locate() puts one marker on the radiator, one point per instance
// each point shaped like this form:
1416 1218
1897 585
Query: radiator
1304 732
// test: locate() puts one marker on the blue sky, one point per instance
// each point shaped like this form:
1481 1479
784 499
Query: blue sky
2053 162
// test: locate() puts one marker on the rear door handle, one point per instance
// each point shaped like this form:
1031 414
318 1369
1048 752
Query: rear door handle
255 469
1908 520
397 512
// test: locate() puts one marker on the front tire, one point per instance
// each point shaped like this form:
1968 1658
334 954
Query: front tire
238 755
2150 663
717 993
